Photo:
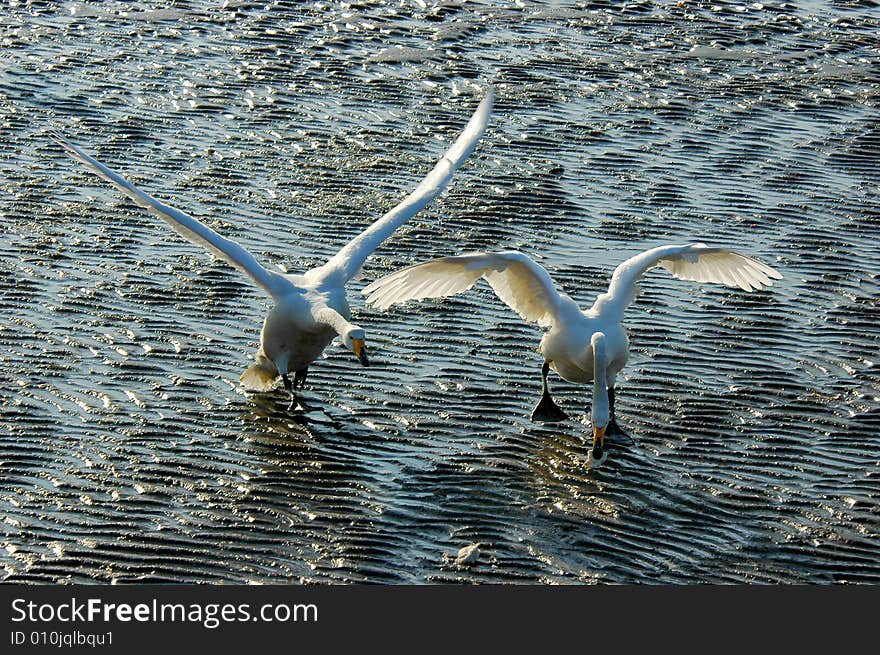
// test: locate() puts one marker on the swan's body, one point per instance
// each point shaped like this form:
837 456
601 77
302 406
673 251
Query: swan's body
581 346
311 309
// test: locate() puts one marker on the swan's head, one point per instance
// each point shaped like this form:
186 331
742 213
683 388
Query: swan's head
355 340
600 414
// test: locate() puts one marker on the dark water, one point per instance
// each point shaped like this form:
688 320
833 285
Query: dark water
129 452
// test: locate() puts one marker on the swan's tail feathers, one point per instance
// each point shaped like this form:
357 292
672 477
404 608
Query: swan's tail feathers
261 376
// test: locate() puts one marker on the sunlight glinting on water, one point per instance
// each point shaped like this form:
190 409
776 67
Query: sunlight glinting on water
130 450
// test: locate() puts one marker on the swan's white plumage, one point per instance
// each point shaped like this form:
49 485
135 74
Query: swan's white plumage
260 377
571 344
188 227
696 262
348 261
523 284
310 309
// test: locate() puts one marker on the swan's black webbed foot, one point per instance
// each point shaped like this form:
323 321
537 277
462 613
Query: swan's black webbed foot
547 411
613 429
290 386
299 378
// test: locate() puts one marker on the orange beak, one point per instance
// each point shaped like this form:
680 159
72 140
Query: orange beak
598 442
360 351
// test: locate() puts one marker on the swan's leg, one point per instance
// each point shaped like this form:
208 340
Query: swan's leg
547 410
299 378
299 381
613 428
289 386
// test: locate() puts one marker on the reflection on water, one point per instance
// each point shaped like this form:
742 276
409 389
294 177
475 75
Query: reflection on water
131 453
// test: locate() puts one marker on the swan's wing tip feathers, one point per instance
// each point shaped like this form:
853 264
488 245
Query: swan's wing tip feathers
355 253
71 149
488 102
187 226
697 262
771 272
55 134
437 278
702 263
521 283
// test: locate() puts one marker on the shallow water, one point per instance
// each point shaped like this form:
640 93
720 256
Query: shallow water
129 451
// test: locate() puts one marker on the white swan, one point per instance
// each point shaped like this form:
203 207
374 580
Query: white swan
310 309
581 346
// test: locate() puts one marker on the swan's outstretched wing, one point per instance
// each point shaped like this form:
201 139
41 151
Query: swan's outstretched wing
349 260
697 262
185 225
524 285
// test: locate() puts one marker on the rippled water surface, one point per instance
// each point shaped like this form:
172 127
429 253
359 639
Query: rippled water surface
129 451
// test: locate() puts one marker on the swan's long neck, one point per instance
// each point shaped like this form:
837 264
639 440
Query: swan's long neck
334 319
601 411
